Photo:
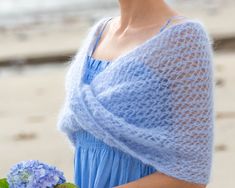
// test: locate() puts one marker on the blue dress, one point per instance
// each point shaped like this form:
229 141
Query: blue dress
96 164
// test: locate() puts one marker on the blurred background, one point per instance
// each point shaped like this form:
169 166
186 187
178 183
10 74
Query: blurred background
38 37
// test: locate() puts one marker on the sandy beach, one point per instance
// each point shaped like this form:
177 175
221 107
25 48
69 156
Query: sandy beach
29 105
31 95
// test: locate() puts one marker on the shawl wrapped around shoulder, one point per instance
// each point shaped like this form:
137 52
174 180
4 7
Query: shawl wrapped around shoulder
154 102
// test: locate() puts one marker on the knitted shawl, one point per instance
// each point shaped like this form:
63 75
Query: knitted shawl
154 103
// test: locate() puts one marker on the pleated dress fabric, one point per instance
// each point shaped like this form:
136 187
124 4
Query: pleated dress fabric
96 164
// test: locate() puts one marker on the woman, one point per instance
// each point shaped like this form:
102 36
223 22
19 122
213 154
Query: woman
177 146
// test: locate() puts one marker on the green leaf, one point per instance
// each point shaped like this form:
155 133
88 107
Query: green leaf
66 185
3 183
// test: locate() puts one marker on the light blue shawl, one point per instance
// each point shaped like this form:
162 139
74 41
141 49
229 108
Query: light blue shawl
154 102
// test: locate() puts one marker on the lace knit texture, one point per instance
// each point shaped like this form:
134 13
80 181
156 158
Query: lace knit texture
154 102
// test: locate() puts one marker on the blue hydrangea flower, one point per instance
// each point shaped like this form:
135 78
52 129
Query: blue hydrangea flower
34 174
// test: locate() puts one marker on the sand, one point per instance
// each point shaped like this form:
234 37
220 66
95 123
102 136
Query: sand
30 99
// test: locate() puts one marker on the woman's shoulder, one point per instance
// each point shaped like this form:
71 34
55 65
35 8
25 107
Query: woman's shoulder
97 24
191 28
187 32
92 32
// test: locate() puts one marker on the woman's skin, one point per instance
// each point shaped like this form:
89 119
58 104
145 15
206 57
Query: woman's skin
159 180
138 21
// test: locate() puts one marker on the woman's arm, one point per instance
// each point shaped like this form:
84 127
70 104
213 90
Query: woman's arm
160 180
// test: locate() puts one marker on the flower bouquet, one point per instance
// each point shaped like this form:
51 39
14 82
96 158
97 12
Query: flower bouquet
34 174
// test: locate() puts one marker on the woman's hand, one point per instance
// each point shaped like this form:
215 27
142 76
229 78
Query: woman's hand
160 180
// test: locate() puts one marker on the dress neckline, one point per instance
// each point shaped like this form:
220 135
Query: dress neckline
100 60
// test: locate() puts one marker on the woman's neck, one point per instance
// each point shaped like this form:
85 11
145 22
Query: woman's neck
140 13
